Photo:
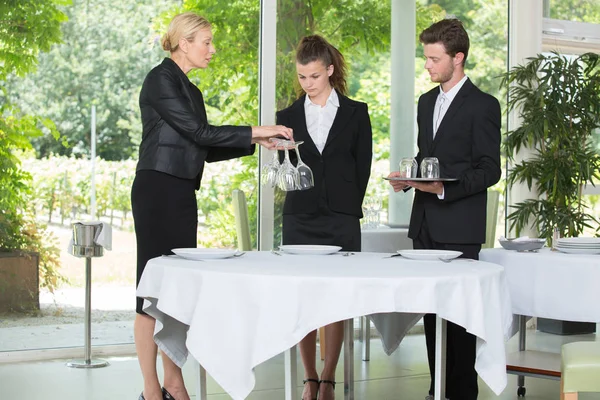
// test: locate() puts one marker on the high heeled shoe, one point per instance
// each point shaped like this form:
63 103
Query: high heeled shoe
332 383
309 380
167 395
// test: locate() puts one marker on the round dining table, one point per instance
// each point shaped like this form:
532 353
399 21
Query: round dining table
233 314
547 284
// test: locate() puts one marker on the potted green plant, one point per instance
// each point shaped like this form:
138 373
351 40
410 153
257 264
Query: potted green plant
29 256
558 100
27 29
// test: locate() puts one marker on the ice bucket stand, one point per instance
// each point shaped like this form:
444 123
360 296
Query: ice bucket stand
84 246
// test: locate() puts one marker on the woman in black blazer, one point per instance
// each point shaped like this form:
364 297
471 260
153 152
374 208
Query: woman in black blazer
176 141
338 148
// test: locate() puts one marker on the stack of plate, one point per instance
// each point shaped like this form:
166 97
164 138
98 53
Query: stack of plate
579 245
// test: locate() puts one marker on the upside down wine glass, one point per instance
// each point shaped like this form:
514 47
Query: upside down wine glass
430 168
287 177
408 168
270 170
305 175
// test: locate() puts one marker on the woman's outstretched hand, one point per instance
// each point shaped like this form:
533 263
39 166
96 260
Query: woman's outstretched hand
262 134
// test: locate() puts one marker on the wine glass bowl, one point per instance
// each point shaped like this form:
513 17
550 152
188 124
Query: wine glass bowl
305 174
286 176
269 171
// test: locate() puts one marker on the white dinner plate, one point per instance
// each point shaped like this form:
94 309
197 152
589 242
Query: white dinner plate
204 254
309 249
579 246
580 241
427 254
571 250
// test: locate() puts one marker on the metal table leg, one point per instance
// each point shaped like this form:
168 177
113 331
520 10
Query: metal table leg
522 339
201 383
366 326
349 359
361 328
291 380
440 358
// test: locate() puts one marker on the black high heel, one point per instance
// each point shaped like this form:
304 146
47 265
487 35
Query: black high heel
167 395
307 380
332 383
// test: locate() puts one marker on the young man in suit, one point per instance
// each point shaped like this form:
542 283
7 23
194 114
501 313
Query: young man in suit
460 126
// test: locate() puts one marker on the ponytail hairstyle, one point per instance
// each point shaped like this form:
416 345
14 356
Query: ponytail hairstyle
316 48
185 26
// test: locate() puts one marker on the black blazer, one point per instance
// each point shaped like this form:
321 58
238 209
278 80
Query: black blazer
343 169
176 137
467 145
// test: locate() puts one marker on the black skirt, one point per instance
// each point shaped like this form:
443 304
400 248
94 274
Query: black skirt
325 227
165 215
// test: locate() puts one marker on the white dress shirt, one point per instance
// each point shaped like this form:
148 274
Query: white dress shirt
320 119
442 104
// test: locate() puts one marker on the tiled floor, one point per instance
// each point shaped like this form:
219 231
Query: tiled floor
403 375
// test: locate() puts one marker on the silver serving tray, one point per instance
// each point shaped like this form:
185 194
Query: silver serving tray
397 178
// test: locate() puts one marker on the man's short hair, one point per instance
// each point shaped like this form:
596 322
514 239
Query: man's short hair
451 33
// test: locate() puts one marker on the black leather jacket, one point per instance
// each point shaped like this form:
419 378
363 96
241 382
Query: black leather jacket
177 138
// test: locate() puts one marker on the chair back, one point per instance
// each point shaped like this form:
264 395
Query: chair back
493 199
242 223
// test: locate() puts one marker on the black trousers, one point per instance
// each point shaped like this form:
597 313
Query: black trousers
461 377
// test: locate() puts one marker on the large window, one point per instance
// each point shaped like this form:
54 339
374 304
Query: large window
571 26
105 55
573 10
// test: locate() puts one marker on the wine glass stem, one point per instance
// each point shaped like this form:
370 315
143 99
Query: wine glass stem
298 155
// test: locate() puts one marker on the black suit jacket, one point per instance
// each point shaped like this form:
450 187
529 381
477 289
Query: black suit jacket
343 169
467 145
177 138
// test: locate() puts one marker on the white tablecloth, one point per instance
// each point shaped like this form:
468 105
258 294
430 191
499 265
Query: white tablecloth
385 240
234 314
551 284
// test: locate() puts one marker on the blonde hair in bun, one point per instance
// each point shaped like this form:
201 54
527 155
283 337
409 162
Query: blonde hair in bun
184 26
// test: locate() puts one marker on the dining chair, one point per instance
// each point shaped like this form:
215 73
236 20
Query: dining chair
580 369
493 200
242 224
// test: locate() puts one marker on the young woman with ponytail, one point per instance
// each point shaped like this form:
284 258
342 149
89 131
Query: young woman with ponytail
338 148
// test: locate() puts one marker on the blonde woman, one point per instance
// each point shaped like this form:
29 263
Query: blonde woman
176 142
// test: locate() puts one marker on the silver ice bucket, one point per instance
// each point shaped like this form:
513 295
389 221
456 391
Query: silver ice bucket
85 235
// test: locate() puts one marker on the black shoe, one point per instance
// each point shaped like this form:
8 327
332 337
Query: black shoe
332 383
308 380
167 395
